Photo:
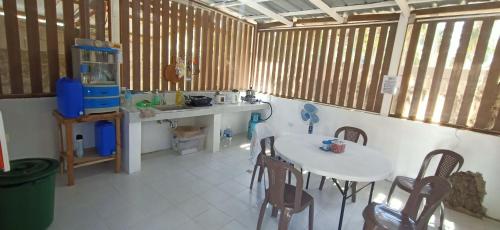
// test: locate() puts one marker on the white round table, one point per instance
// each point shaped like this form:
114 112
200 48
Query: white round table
357 164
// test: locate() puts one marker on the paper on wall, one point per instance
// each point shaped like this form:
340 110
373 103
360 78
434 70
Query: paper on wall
391 84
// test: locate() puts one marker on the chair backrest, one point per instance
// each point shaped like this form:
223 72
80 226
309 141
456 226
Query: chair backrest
263 145
277 171
352 134
436 189
447 164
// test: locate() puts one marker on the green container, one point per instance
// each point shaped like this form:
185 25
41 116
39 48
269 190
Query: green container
27 194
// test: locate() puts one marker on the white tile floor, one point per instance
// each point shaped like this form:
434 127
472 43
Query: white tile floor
201 191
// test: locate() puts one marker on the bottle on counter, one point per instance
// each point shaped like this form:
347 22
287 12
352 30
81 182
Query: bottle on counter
79 146
227 137
156 98
128 99
179 98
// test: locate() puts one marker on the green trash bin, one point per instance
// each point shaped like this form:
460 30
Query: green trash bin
27 194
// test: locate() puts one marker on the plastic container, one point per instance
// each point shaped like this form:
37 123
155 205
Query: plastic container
79 146
105 138
101 91
69 97
101 102
27 194
186 145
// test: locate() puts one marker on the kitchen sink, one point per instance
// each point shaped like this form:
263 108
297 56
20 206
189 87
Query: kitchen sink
172 107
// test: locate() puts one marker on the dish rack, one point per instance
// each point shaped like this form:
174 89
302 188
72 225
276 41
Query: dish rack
97 65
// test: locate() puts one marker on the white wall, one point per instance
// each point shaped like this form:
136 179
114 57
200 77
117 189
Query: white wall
404 142
31 129
158 136
32 132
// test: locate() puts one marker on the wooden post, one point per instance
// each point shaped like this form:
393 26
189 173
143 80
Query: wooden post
69 152
118 159
61 146
395 60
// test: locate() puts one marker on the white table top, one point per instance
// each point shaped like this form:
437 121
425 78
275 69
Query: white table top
358 163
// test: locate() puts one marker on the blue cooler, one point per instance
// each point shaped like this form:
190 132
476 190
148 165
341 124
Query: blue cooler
69 97
105 138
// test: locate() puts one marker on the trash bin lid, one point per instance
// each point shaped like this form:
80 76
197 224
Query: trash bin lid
27 170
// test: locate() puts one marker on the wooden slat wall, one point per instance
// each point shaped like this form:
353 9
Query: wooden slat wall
474 72
181 38
327 84
26 75
136 44
355 67
146 45
84 18
328 65
439 71
377 66
422 69
153 34
347 66
165 33
174 20
460 87
33 38
217 43
13 47
227 53
197 48
311 82
100 19
385 67
210 51
491 92
204 63
410 55
215 54
125 40
156 44
52 43
366 68
189 43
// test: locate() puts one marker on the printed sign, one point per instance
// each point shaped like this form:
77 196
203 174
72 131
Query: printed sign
391 84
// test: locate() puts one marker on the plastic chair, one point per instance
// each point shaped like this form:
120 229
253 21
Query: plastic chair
286 198
260 163
447 164
350 134
380 216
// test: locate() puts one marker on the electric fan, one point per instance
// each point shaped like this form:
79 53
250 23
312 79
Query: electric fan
308 114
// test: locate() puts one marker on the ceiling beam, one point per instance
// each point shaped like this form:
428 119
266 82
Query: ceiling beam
332 12
235 3
403 5
342 8
256 6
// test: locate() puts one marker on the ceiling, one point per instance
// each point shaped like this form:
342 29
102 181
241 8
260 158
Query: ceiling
262 11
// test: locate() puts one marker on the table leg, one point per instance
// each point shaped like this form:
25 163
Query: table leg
344 198
61 148
118 157
69 152
371 192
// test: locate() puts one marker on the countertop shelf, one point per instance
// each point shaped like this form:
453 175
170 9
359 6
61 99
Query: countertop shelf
90 157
